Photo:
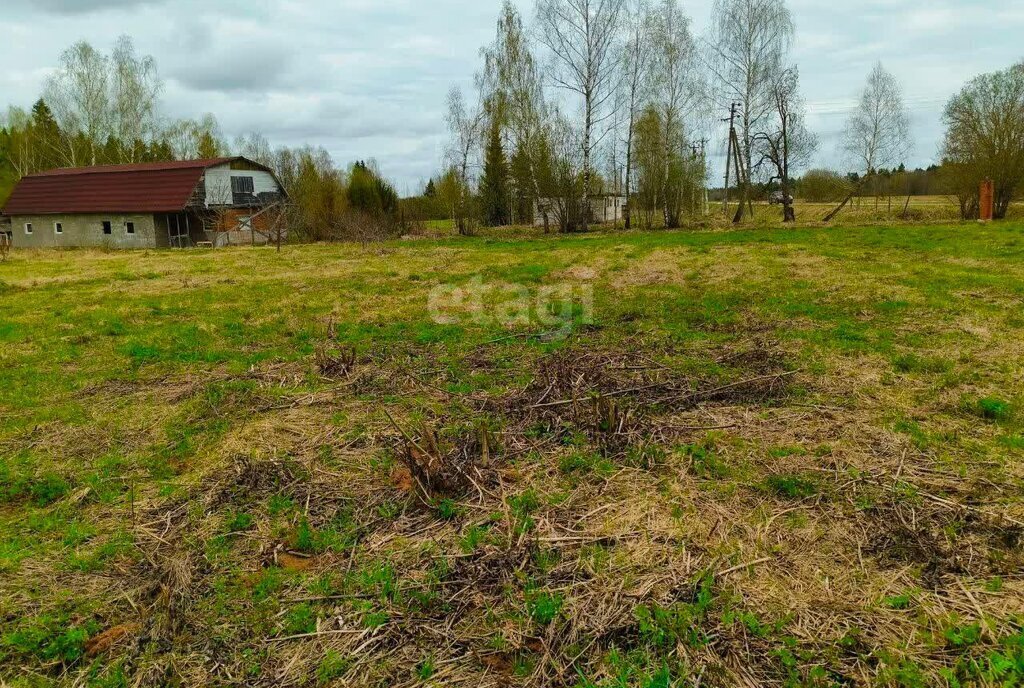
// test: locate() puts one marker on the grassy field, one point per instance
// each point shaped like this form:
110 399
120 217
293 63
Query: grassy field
750 457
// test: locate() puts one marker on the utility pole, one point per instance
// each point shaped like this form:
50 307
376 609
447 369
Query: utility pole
734 160
742 178
728 156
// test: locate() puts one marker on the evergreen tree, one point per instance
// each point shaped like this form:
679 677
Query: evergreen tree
46 135
209 147
431 190
369 192
386 195
362 189
521 171
494 186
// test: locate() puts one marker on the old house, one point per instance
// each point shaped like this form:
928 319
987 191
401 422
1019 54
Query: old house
150 205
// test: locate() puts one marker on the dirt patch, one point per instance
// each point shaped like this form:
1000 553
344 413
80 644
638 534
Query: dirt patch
946 543
100 643
896 543
658 267
401 478
293 562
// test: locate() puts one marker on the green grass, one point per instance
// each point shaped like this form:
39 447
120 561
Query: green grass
172 457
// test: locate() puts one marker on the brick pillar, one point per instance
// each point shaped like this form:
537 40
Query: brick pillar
987 202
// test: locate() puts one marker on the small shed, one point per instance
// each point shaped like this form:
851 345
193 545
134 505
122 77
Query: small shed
604 209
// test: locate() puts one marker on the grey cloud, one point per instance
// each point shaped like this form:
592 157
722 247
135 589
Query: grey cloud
82 6
368 78
236 70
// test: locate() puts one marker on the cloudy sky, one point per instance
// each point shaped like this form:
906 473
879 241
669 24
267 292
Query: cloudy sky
368 78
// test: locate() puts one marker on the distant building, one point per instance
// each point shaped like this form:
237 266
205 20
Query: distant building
604 209
150 205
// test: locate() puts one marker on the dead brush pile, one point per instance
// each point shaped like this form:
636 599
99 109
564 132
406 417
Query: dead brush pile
608 393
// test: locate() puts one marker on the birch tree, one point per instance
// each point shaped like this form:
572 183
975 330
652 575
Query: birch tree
20 149
190 139
79 95
514 94
877 135
466 127
748 47
676 92
636 66
256 147
581 37
108 103
135 87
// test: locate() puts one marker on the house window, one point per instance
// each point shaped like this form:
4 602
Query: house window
242 185
58 228
242 190
28 228
129 228
107 229
244 223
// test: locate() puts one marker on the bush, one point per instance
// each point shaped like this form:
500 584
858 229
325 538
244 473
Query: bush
824 186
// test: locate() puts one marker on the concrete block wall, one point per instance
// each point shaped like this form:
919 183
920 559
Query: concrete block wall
83 230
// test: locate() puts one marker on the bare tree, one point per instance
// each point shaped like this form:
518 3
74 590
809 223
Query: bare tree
255 146
563 181
219 217
649 167
748 47
79 95
466 127
613 154
97 98
677 91
271 222
786 145
636 65
877 135
191 138
20 145
135 87
581 37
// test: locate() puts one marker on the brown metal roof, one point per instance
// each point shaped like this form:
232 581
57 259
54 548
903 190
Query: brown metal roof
163 187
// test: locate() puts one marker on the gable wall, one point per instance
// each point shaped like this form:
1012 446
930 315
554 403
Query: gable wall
218 183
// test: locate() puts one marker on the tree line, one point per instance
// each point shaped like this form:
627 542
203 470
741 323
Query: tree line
100 109
619 97
587 97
